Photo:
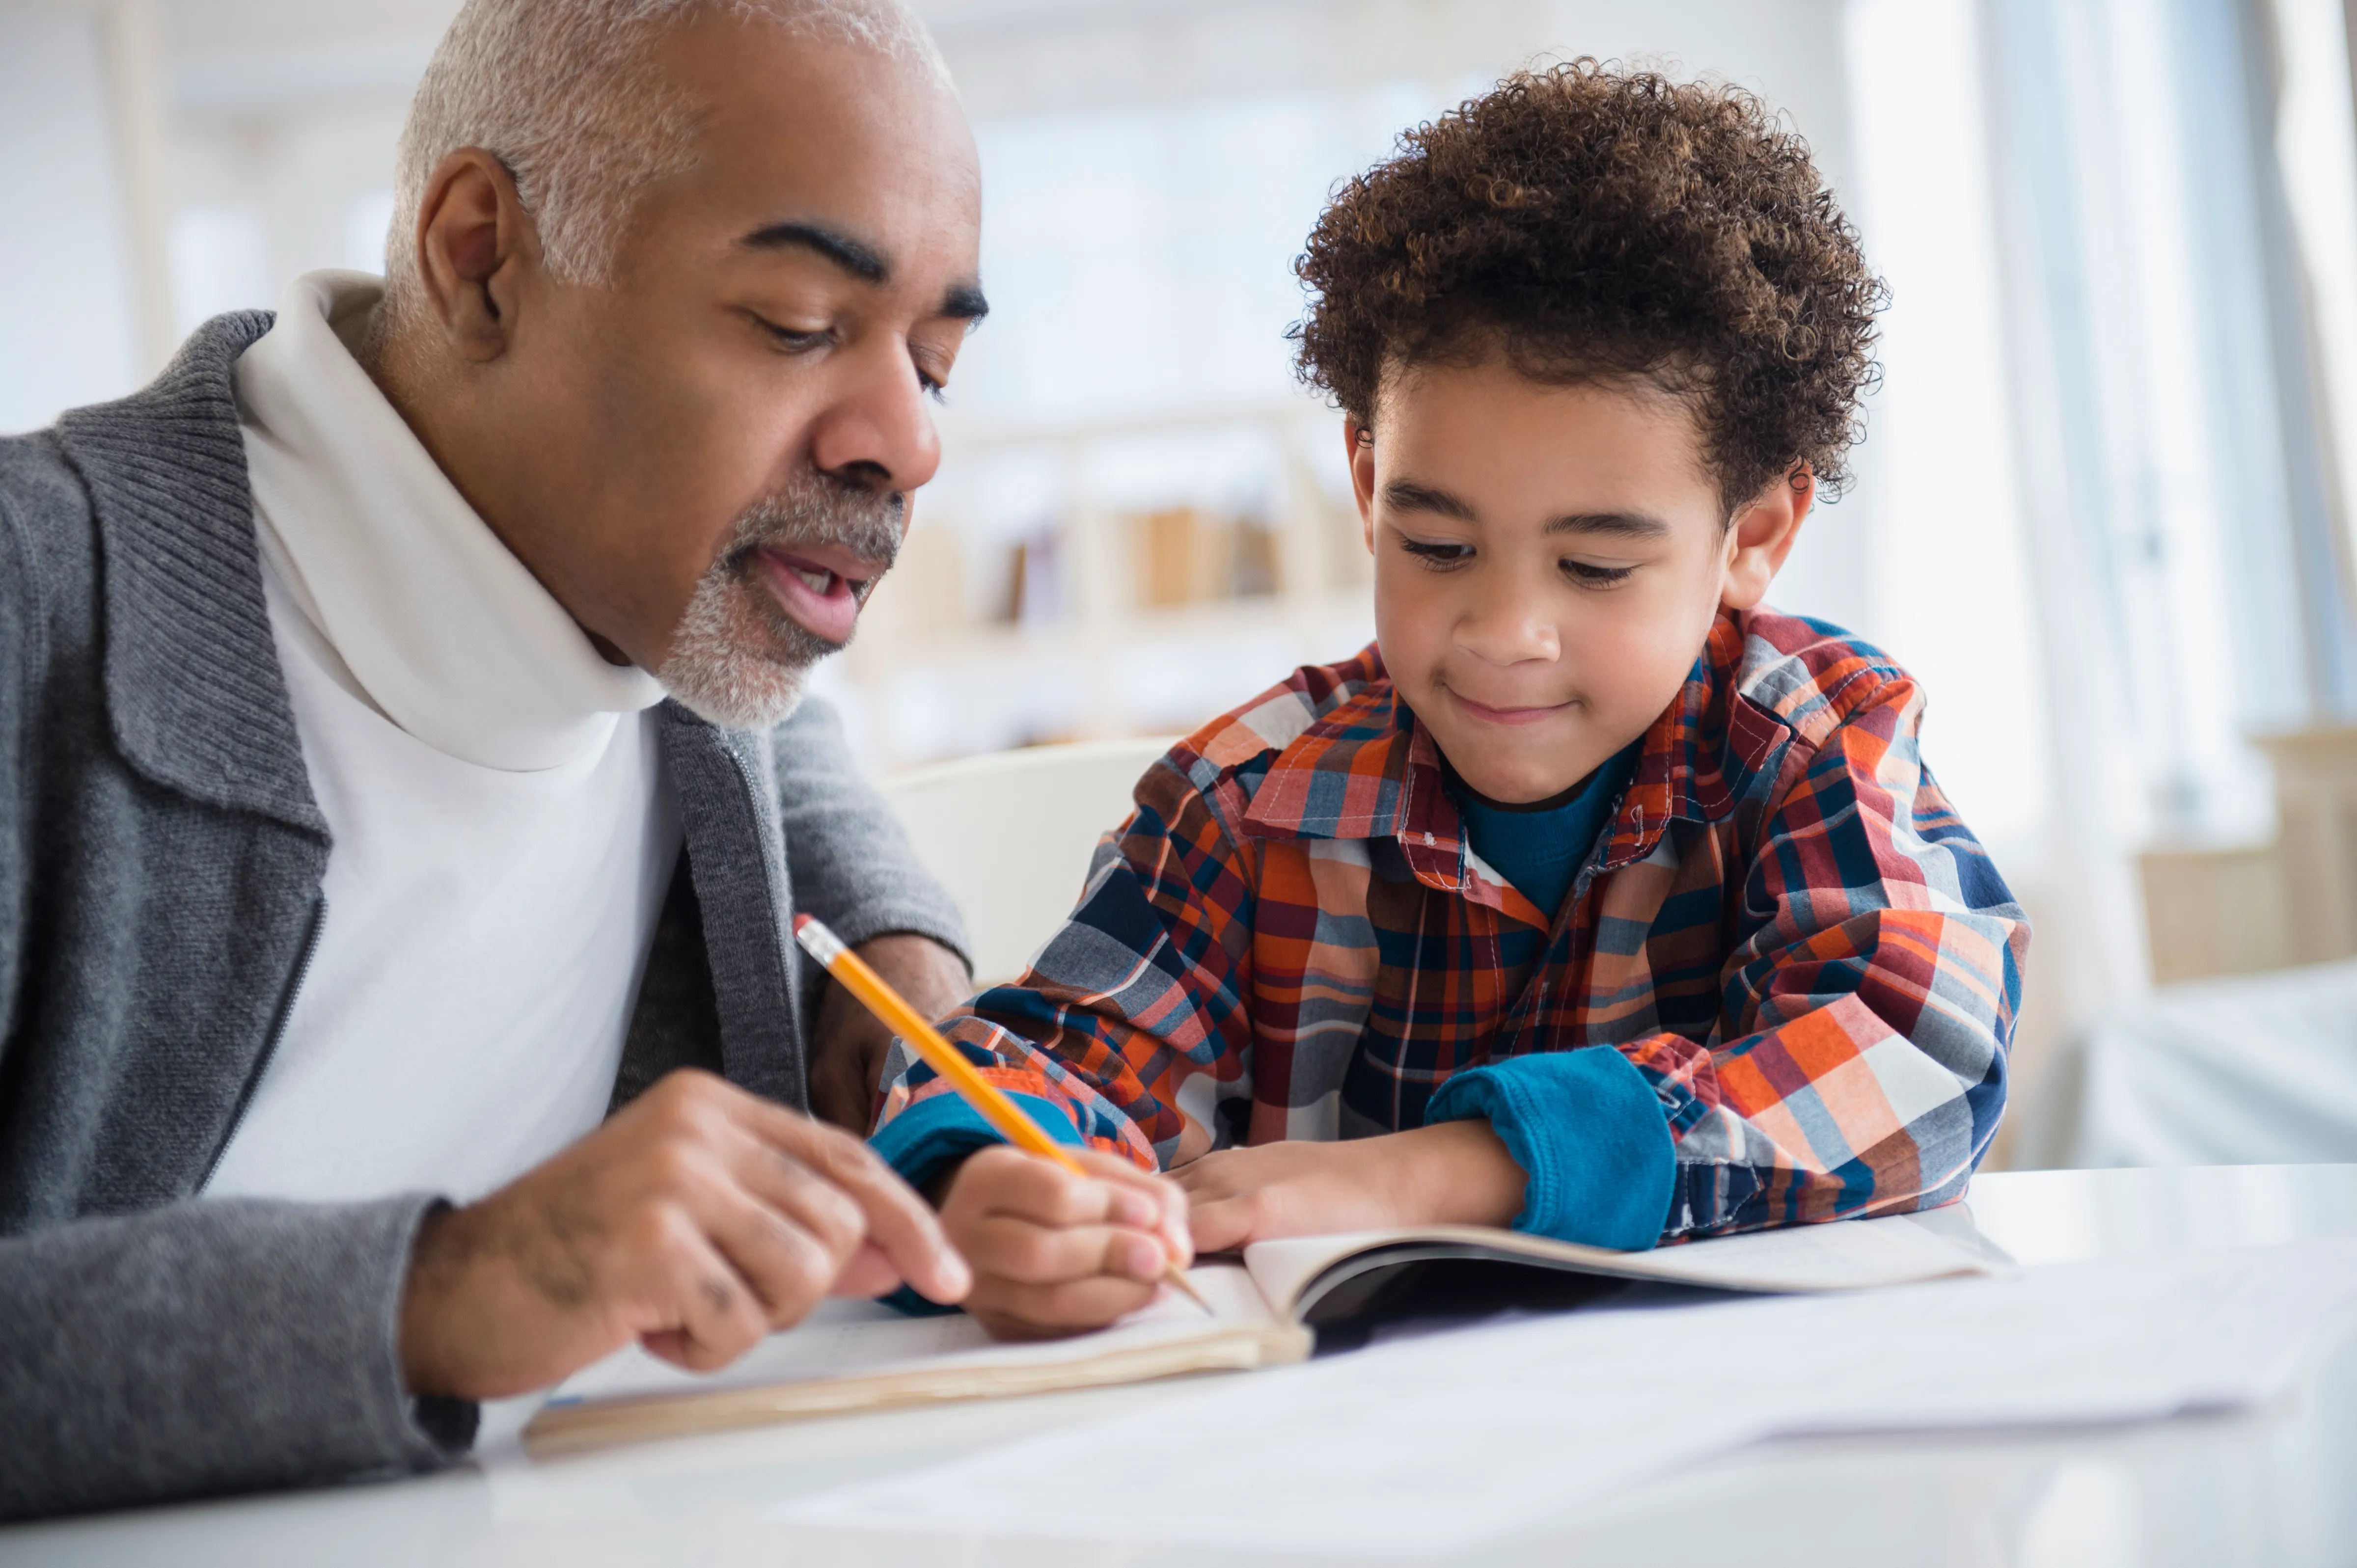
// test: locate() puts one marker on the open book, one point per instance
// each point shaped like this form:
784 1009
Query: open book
861 1355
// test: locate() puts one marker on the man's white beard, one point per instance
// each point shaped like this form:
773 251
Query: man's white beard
713 673
738 659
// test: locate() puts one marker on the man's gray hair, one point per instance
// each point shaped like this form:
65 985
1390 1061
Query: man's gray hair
568 95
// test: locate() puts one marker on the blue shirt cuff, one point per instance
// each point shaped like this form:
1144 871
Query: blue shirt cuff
931 1133
1589 1134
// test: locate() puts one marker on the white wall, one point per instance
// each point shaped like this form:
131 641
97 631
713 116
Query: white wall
68 318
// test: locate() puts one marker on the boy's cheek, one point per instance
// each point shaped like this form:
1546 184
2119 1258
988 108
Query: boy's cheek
1634 659
1409 624
1627 654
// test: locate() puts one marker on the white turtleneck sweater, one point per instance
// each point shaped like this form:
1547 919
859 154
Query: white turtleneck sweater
503 834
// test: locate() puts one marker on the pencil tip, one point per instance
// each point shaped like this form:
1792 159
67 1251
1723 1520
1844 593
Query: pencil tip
1176 1279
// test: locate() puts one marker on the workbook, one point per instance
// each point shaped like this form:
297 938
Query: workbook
1267 1308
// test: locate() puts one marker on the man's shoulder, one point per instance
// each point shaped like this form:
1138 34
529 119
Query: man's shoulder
1808 675
48 546
153 454
38 485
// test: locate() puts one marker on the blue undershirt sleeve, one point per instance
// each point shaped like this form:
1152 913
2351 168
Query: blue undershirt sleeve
1589 1134
931 1133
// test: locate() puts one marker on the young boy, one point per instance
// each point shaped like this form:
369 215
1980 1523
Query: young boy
1594 898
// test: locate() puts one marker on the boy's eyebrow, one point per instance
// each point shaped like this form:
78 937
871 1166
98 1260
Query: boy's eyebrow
1409 495
1622 524
1406 495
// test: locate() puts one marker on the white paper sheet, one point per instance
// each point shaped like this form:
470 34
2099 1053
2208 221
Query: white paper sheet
1436 1443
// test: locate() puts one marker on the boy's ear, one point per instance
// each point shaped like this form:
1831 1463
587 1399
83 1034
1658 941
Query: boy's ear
1359 450
1762 535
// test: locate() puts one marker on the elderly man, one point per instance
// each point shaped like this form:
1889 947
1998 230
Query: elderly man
363 902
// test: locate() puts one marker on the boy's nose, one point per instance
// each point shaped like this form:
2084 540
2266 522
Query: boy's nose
1509 627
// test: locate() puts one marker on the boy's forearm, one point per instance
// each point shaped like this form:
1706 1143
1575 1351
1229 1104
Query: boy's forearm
1453 1173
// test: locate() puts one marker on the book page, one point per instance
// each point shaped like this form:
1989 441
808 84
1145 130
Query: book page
1842 1254
845 1339
1436 1444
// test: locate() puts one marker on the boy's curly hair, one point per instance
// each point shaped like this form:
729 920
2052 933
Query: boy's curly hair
1600 224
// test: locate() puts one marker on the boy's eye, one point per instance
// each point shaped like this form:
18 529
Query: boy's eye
1440 553
1596 576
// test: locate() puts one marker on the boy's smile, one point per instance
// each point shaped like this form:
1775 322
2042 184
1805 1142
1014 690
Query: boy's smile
1548 561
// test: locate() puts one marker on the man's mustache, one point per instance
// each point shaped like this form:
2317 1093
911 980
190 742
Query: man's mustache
823 510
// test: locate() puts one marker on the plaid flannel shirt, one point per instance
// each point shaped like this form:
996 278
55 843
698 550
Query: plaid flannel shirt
1786 931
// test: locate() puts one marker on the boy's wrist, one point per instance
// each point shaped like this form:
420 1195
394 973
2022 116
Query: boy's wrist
1452 1173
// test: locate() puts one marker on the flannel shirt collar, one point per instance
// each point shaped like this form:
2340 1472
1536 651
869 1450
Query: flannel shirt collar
1366 769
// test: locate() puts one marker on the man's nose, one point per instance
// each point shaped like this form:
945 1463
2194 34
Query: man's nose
879 427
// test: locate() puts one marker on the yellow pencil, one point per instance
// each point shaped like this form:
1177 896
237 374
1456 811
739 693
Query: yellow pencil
1006 1117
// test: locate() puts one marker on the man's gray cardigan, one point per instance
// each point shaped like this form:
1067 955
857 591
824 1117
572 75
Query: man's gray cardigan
160 865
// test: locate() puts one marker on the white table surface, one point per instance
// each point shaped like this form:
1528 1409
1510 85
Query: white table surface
2275 1487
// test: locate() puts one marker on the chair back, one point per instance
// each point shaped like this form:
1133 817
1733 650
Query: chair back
1010 835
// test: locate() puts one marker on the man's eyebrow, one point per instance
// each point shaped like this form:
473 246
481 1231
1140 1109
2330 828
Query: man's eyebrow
1620 524
861 261
1406 495
964 301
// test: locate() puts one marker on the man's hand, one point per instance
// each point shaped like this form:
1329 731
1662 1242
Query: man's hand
850 1044
1452 1173
696 1220
1054 1253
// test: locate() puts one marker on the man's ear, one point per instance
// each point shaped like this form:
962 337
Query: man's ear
476 246
1762 535
1359 450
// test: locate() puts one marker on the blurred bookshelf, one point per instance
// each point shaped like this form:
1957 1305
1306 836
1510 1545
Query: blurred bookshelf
2245 908
1097 581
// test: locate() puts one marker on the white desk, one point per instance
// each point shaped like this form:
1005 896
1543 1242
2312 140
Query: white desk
2277 1487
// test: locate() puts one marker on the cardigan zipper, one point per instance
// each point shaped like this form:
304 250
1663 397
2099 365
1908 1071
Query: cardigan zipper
270 1042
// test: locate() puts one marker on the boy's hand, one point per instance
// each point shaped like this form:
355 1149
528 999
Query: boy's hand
1453 1173
1054 1253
